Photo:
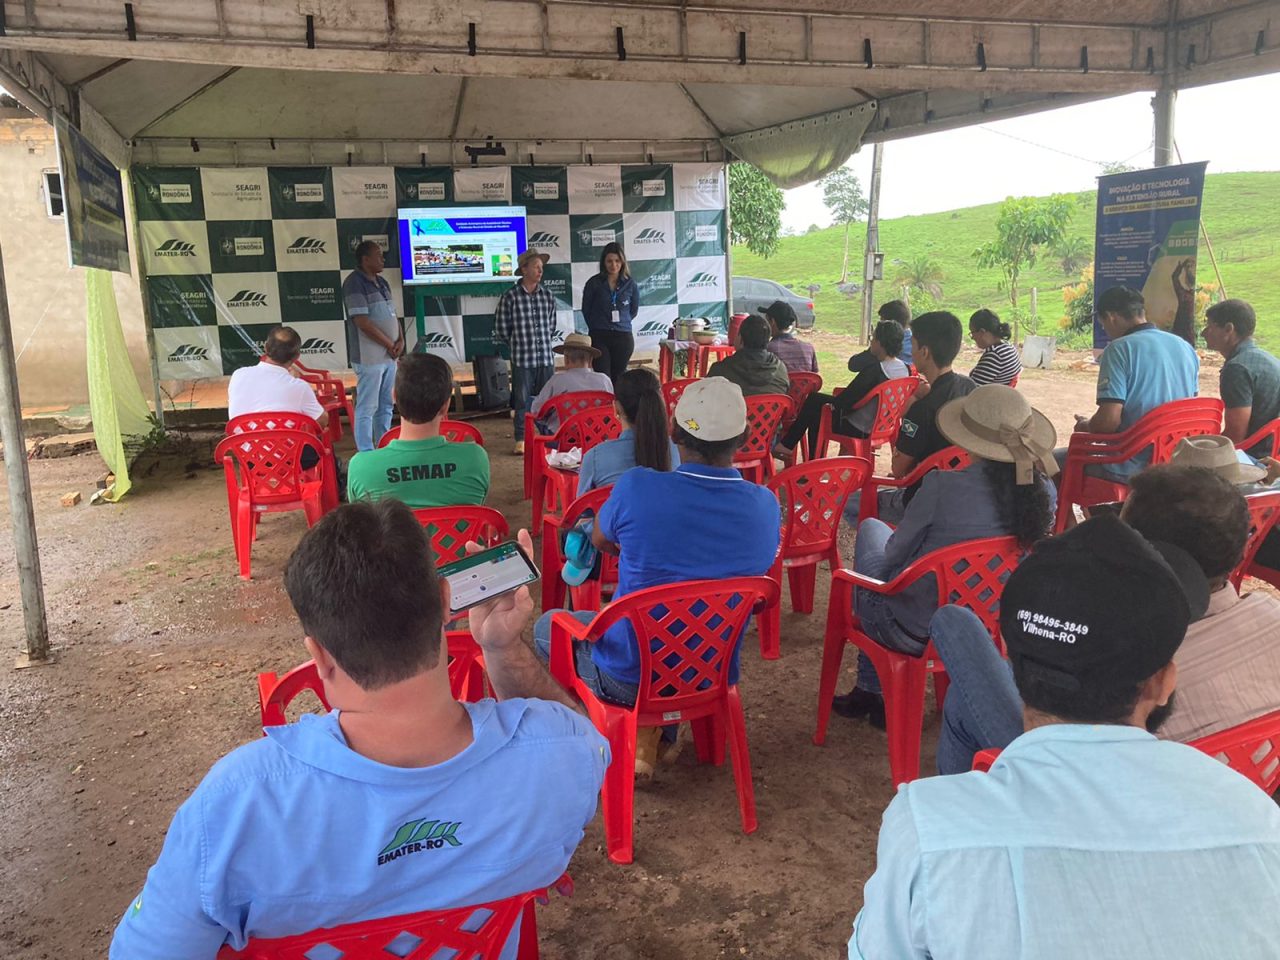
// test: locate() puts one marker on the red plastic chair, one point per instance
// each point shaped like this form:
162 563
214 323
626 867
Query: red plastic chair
564 406
332 394
754 458
1268 433
948 458
1264 512
1251 749
455 431
970 574
1014 382
1158 432
589 595
479 932
276 420
264 475
583 430
671 393
686 634
450 529
802 385
813 496
707 351
891 398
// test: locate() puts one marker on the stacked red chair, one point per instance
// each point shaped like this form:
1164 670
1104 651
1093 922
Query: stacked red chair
686 633
1156 433
1270 433
754 458
332 394
455 431
948 458
813 496
537 445
582 430
588 596
971 575
891 399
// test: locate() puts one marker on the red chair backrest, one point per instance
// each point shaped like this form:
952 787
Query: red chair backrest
687 633
269 462
891 399
1264 511
588 428
802 384
276 693
671 391
567 404
970 575
275 420
450 529
1158 430
813 496
591 501
1268 433
948 458
455 431
764 412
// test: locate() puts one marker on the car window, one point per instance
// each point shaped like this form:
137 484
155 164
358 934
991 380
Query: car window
745 287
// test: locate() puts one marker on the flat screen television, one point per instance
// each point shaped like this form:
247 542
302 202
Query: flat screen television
459 245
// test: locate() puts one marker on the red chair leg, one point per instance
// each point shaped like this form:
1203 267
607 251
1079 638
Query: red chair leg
940 684
552 584
246 524
832 656
617 799
904 713
708 740
741 761
770 621
528 946
804 583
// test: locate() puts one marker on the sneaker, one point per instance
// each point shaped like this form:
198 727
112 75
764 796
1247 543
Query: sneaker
519 448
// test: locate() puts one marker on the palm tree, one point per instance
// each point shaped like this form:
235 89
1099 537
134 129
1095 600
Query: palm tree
1073 253
921 273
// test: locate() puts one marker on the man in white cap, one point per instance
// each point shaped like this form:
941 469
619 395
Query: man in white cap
526 322
700 521
576 376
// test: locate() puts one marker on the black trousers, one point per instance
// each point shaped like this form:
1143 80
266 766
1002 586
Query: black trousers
616 347
810 419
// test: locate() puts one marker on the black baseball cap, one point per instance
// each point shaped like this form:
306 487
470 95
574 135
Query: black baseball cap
780 312
1100 606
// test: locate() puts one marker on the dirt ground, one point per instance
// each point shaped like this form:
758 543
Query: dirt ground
158 643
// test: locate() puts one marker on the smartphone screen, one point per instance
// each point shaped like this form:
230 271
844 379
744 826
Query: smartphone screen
488 574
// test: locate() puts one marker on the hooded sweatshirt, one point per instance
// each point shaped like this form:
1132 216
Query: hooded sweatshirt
755 371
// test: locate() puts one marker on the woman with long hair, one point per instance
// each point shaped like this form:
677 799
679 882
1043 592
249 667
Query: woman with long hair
999 362
610 302
646 435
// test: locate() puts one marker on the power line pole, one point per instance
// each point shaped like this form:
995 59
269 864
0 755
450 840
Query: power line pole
873 241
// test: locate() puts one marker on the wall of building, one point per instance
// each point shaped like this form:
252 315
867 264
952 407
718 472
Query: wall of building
46 296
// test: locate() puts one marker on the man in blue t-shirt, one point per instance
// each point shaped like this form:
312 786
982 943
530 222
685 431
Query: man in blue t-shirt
1142 368
700 521
399 800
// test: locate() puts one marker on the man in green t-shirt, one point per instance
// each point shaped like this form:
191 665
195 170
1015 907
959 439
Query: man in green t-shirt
421 468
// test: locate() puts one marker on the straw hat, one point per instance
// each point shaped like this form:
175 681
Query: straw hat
1219 455
995 422
576 341
528 257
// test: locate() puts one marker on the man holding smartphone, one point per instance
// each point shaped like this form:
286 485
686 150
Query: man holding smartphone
399 800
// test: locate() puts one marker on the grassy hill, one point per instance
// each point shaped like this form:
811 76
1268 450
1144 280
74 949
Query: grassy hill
1241 213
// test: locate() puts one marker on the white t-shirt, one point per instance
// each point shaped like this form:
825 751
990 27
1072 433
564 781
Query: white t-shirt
267 388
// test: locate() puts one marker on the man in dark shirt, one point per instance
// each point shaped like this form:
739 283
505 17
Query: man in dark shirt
1250 379
752 367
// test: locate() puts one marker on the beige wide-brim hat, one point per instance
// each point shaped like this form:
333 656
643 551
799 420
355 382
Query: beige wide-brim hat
528 257
995 422
576 341
1219 455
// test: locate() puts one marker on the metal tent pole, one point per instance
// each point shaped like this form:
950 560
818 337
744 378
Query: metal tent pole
20 502
873 241
1162 104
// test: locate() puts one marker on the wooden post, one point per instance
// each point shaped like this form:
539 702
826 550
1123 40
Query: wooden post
873 241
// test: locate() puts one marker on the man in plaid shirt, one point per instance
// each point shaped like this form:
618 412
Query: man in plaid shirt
526 321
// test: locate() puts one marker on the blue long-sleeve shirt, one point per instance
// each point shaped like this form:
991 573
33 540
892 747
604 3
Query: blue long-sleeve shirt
599 302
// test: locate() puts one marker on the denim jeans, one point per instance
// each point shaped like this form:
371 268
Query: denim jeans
600 683
873 608
982 708
374 383
526 383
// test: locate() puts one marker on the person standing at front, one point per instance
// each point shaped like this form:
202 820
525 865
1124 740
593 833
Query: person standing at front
374 340
610 301
526 322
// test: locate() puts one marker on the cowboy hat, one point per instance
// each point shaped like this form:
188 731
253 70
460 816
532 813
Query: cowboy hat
576 341
995 422
528 257
1219 455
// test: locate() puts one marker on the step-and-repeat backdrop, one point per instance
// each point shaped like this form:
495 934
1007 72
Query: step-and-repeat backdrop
231 252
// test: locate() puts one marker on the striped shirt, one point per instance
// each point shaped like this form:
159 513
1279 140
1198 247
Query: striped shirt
526 323
999 363
798 356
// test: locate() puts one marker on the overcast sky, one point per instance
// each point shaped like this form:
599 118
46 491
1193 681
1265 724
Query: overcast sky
1232 125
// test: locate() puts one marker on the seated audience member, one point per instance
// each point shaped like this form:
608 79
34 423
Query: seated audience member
877 364
1000 362
1250 379
938 336
1228 665
700 521
798 356
421 468
751 366
311 825
1005 491
1143 367
269 386
899 313
645 440
1089 837
575 376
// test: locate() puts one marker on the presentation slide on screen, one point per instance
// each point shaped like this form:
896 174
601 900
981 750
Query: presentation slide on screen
460 244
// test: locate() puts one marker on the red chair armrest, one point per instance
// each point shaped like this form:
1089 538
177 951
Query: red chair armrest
565 628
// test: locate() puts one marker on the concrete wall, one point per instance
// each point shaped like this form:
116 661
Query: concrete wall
46 296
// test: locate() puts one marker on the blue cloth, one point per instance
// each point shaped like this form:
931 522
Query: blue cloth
1144 369
604 463
599 302
298 831
375 384
905 353
1082 841
694 523
597 681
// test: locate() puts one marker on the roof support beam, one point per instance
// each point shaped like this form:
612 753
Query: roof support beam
186 100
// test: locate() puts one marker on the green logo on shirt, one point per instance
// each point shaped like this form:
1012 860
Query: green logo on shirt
419 835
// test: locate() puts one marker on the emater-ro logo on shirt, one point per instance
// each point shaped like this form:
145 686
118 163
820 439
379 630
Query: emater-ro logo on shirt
419 835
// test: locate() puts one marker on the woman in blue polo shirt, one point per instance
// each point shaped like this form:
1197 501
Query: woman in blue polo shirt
610 301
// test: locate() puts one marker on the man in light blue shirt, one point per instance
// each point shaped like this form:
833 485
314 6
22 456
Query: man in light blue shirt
401 799
1089 837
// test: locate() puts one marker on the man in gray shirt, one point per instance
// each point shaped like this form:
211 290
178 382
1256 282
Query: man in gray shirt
374 340
576 377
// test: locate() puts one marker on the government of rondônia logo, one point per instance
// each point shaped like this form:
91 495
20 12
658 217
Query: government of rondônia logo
317 345
306 245
248 298
418 836
650 235
176 248
541 238
189 352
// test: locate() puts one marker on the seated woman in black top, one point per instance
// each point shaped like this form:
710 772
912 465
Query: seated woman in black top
873 367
